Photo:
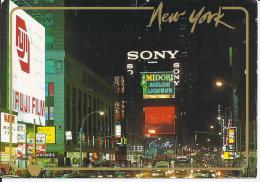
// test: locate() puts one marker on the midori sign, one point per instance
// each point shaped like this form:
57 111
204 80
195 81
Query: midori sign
158 85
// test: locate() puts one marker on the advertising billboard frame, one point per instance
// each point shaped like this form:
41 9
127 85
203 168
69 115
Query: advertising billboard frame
27 67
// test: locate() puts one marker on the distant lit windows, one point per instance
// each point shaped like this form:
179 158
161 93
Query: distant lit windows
51 113
51 89
46 113
49 109
46 89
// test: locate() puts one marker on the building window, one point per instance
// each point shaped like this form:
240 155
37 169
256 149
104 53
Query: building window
85 104
46 89
51 89
68 108
74 114
49 41
36 1
49 66
51 113
90 129
49 1
79 109
49 19
46 113
59 66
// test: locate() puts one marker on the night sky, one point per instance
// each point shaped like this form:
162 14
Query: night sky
109 35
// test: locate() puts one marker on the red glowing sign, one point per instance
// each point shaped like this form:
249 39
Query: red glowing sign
51 89
159 120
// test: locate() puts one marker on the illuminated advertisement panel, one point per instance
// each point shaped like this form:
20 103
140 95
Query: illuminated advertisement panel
159 120
231 143
117 131
5 127
28 67
158 85
50 133
231 135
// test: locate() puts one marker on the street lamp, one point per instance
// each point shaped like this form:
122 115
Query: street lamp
211 126
101 113
219 83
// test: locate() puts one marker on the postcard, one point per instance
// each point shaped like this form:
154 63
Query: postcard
156 89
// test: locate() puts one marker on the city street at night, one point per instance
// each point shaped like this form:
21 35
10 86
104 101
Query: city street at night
128 89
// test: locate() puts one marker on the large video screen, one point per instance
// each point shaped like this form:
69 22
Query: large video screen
159 121
158 85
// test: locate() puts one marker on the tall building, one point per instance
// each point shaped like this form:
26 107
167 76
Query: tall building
85 93
72 91
4 156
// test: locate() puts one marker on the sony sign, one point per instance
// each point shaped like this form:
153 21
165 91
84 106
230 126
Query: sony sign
155 55
28 67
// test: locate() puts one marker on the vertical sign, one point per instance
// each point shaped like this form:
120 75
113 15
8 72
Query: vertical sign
231 142
5 131
28 67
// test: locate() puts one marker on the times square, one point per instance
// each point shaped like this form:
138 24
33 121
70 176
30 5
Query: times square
128 89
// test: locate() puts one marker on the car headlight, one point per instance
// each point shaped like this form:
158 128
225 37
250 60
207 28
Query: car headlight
190 176
155 174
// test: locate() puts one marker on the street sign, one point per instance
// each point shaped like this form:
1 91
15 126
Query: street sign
68 135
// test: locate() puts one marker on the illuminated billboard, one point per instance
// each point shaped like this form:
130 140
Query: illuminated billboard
5 127
50 133
159 121
158 85
28 67
231 135
230 152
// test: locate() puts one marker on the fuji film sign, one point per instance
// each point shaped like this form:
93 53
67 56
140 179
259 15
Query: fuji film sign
28 67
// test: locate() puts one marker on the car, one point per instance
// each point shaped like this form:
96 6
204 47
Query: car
182 174
120 174
144 174
158 173
71 175
162 164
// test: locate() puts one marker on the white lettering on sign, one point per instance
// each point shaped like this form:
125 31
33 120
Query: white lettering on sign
176 71
130 69
147 55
